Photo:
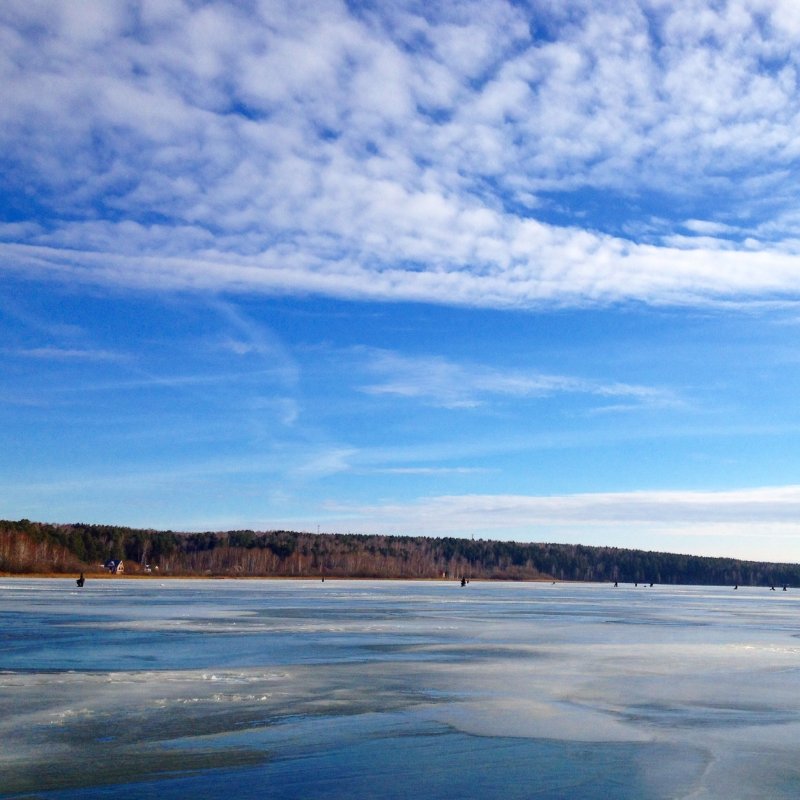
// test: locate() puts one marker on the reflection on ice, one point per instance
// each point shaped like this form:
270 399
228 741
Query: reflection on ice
211 689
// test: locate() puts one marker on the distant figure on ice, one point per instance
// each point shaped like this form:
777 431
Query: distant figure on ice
80 581
784 588
737 586
463 581
616 585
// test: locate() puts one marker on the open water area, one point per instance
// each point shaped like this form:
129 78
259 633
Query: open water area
391 689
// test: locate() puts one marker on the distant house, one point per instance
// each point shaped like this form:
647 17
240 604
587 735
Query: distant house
115 566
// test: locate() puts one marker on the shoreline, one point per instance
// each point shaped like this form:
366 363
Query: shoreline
91 576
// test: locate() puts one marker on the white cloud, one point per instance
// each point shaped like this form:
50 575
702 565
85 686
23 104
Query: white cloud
433 470
444 383
250 338
391 154
68 354
709 228
539 265
326 462
759 523
768 504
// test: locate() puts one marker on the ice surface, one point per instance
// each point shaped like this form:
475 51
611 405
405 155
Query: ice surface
291 689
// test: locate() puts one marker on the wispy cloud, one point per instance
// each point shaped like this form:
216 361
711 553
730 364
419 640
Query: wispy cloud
247 337
444 383
391 153
655 517
327 461
433 470
67 354
766 504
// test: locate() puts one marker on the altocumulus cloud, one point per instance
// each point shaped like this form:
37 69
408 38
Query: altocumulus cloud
387 152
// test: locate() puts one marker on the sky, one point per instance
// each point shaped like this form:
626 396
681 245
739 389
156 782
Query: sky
508 270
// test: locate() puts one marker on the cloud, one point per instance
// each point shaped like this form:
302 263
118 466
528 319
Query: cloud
440 382
67 354
387 152
433 470
699 519
326 462
555 268
706 227
250 338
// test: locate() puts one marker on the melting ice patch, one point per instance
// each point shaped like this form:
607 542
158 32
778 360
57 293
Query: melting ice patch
394 689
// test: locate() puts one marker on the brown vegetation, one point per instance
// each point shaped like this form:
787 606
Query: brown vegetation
31 547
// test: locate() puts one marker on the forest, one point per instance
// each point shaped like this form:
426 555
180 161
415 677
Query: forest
43 548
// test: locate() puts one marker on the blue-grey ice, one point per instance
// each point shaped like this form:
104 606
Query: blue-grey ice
346 689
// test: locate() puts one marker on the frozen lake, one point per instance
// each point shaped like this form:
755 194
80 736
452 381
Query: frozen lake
348 689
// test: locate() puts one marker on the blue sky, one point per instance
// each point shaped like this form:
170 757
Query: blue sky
507 270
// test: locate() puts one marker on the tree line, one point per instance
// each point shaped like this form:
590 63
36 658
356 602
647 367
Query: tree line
36 547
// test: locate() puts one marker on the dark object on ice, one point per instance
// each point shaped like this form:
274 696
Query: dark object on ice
80 581
463 581
615 585
772 588
784 588
737 586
